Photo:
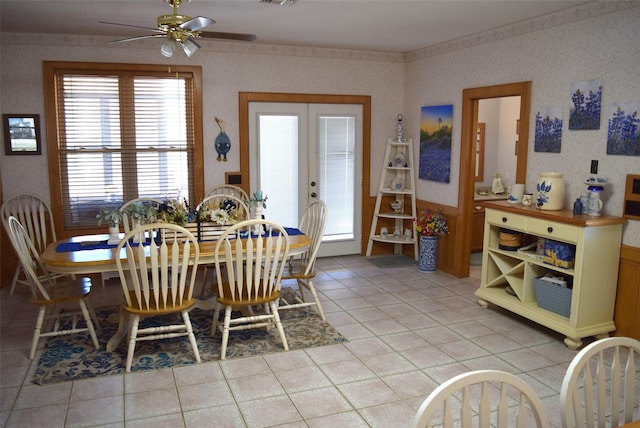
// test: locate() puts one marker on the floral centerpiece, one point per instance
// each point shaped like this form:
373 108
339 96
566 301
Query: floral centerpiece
221 212
171 211
431 224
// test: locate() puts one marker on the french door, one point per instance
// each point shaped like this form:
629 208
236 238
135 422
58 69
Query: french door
301 152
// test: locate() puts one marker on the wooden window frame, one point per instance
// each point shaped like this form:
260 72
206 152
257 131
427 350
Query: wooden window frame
50 71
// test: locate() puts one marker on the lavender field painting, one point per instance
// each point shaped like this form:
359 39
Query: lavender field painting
623 137
548 130
436 123
586 105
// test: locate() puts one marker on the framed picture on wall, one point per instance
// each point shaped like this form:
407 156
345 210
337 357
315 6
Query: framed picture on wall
21 134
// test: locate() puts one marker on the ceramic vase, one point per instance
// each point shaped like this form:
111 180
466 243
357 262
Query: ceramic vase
550 191
114 235
257 215
428 253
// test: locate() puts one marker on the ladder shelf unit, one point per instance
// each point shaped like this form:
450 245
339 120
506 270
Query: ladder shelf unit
397 185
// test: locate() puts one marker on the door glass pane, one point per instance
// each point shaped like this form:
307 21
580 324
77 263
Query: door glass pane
336 173
278 149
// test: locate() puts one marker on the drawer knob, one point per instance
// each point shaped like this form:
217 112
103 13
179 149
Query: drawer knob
504 219
550 229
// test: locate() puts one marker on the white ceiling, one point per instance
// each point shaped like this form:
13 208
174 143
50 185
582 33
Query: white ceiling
380 25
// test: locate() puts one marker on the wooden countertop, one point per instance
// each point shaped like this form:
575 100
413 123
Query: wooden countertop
562 216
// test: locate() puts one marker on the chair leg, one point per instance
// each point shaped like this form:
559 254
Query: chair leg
133 335
87 319
276 315
192 337
16 276
37 331
225 332
309 286
92 312
214 322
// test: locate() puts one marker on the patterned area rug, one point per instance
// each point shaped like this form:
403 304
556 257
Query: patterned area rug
73 357
385 262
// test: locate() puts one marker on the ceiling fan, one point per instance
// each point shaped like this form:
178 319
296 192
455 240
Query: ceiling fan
182 30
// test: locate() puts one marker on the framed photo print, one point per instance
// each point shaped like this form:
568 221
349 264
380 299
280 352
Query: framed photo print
21 134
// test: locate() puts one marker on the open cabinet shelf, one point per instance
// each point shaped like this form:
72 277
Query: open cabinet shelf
508 277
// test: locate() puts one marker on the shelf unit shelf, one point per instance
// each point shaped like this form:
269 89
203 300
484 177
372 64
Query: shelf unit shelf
397 183
508 277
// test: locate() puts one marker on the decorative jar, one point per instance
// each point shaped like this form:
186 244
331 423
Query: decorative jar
550 191
428 253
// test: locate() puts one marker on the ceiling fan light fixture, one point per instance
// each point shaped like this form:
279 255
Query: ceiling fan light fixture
168 48
190 47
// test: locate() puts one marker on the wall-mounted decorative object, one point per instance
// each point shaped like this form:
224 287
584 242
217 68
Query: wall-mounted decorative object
548 130
586 105
21 134
623 137
223 143
436 123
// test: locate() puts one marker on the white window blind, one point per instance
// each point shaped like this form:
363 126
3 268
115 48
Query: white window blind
122 135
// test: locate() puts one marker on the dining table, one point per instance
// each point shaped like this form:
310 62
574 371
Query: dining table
92 254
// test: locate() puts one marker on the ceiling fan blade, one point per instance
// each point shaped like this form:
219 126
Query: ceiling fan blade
129 25
228 36
197 23
130 39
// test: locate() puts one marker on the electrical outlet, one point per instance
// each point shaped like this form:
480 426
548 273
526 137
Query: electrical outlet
594 166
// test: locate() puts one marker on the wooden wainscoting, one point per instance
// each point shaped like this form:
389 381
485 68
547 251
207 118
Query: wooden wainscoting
626 316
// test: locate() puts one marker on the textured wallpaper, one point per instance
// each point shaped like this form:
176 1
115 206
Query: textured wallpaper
597 41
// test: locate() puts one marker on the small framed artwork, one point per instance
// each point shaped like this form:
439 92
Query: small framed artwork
21 134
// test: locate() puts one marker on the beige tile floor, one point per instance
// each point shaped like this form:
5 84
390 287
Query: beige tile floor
407 332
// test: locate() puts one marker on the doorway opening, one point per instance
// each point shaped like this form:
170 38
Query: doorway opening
470 105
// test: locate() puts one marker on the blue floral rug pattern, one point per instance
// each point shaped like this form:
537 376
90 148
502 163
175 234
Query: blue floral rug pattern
73 357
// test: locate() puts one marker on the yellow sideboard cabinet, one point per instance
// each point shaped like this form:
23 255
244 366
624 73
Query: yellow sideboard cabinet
509 275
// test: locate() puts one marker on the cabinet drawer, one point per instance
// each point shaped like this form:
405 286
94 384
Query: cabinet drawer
549 229
508 220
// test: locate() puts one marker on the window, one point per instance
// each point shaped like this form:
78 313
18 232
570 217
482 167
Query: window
120 132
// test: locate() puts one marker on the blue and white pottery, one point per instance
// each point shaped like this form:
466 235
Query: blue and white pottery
428 253
550 191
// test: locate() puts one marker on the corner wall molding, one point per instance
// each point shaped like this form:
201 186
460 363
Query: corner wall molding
578 13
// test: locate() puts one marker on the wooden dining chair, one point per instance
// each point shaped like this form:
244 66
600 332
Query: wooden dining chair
241 213
49 293
157 280
302 269
601 386
249 271
228 189
129 223
484 399
34 214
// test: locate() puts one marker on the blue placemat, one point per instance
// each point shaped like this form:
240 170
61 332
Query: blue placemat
65 247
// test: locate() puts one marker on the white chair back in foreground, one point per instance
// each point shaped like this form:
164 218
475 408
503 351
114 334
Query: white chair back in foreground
484 399
602 386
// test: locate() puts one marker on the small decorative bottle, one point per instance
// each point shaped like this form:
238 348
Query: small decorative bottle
577 206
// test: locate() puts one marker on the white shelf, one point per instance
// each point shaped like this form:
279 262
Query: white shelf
391 175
